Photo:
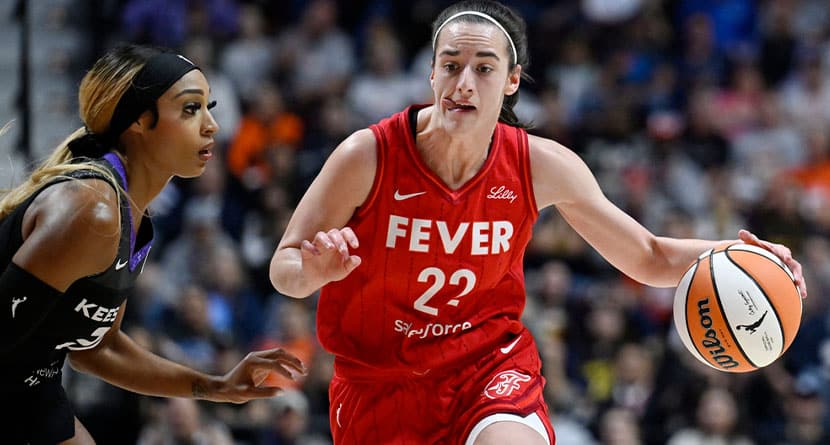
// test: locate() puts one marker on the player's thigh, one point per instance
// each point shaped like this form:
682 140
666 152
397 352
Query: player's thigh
510 429
509 433
81 437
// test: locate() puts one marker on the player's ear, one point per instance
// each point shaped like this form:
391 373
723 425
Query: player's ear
141 124
513 80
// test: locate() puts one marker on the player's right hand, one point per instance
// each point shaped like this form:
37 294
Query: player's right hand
327 258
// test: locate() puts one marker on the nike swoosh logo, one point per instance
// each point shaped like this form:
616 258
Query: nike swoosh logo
119 265
399 197
508 348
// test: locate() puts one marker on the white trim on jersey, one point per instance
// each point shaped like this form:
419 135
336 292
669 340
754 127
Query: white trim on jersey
532 421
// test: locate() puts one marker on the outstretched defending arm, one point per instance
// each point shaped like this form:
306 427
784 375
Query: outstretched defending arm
122 362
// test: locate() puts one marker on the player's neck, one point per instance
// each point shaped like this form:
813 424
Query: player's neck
454 157
143 185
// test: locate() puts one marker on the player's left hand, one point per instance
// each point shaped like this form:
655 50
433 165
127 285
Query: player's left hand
243 382
782 252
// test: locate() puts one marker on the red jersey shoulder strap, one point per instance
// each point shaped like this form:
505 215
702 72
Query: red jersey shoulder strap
518 137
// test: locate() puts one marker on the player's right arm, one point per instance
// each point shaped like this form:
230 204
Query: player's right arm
314 249
71 230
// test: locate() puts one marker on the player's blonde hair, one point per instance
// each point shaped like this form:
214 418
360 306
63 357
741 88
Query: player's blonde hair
98 95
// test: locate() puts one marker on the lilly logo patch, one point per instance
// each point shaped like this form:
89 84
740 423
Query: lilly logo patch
502 192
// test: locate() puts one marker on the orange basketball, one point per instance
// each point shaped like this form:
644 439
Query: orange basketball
737 308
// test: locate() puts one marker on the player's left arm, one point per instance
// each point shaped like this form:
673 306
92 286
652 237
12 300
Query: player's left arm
562 179
122 362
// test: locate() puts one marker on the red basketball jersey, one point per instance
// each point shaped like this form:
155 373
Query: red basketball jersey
442 278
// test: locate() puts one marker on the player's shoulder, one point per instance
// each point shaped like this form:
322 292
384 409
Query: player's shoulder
87 208
359 147
544 150
71 230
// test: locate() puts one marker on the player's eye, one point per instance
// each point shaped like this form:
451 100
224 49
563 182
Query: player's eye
192 108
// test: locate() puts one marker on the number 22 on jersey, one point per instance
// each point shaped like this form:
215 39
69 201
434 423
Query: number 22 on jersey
440 280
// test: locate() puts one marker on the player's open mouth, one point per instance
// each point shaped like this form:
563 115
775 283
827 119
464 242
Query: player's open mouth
458 106
206 154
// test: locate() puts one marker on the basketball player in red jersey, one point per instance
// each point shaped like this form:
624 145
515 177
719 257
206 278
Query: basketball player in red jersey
415 230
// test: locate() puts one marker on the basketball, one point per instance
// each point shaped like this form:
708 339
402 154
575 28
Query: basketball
737 308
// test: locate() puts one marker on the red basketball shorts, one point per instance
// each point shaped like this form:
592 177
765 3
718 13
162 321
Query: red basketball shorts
441 409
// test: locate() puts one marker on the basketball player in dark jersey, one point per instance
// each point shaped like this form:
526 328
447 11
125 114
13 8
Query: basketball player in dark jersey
415 230
75 235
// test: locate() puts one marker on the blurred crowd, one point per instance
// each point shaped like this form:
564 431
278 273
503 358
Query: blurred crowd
698 117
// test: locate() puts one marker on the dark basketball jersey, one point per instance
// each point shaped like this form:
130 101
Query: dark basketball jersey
442 275
90 305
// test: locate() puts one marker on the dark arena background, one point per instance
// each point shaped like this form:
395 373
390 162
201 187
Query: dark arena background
698 117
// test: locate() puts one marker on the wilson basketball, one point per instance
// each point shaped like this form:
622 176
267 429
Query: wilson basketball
737 308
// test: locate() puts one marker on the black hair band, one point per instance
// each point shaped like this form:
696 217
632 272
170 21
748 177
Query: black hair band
157 76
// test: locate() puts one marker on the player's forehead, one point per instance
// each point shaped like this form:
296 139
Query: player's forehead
194 82
461 35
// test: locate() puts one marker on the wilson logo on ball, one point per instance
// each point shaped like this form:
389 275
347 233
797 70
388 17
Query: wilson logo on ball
711 341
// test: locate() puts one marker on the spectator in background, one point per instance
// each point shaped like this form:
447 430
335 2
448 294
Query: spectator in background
290 422
806 97
618 426
264 146
779 213
316 55
737 106
184 422
192 332
291 328
701 142
249 59
382 87
734 22
574 75
238 306
700 62
201 235
663 93
762 153
633 381
610 11
334 122
778 42
551 119
805 414
813 176
262 227
717 422
316 387
209 190
166 22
